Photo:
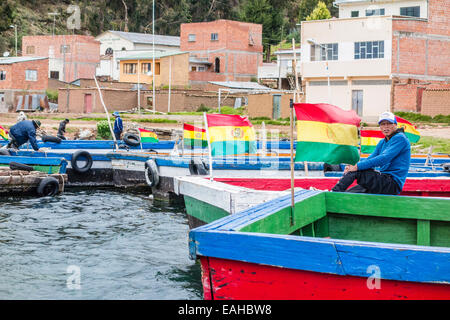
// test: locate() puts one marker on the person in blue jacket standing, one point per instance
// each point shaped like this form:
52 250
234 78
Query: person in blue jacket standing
118 125
22 132
392 157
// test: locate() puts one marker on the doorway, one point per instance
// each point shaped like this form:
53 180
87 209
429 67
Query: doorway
88 103
357 101
276 106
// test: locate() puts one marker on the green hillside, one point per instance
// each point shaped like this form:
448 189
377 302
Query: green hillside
279 17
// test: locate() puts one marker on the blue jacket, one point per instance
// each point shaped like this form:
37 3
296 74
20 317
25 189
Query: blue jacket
24 131
118 126
391 156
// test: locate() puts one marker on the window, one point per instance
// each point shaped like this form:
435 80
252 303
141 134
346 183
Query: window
324 52
410 11
146 68
369 50
191 37
64 48
193 68
109 51
217 65
214 36
30 49
2 75
201 68
31 75
375 12
129 68
355 14
157 68
54 74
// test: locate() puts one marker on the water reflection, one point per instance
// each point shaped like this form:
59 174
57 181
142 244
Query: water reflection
125 246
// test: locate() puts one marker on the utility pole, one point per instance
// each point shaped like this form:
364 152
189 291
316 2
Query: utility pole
15 34
54 14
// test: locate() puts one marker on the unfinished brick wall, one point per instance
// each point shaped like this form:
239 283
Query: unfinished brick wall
238 48
420 56
408 93
81 57
436 102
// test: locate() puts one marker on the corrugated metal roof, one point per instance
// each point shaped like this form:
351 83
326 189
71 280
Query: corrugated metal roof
240 85
149 55
11 60
148 38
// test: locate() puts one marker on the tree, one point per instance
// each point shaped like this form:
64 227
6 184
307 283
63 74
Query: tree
320 12
271 18
306 7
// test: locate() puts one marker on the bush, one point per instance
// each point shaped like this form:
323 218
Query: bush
52 95
440 118
203 108
103 130
231 110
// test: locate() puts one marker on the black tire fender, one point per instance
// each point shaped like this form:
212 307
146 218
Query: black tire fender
197 167
151 173
51 139
20 166
331 167
131 139
49 186
75 158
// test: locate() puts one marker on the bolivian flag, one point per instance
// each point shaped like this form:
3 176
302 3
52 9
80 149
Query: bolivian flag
230 134
194 136
4 133
326 133
410 130
148 136
370 139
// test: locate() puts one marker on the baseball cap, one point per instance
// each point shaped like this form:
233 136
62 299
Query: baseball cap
389 116
115 113
37 123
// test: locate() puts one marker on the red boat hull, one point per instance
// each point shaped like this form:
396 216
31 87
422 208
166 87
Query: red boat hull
412 187
237 280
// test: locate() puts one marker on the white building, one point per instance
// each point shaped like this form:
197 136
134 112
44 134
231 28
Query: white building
348 61
119 44
281 73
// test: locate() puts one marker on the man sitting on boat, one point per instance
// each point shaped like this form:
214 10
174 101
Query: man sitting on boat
392 156
22 132
118 126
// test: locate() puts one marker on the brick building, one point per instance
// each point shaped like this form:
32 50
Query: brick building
379 55
222 50
20 75
70 56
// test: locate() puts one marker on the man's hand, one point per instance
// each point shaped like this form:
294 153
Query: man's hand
350 168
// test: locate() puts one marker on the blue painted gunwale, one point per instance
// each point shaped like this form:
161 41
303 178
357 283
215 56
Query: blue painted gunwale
254 163
222 239
235 163
37 161
97 144
65 155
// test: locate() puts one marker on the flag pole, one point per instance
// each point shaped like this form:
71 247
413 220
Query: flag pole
294 66
209 148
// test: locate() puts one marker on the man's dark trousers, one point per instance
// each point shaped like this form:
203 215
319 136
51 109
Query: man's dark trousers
369 181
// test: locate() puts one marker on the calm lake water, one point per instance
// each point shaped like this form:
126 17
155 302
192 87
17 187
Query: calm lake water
95 244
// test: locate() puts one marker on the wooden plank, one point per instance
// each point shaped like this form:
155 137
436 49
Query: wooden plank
422 208
423 233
